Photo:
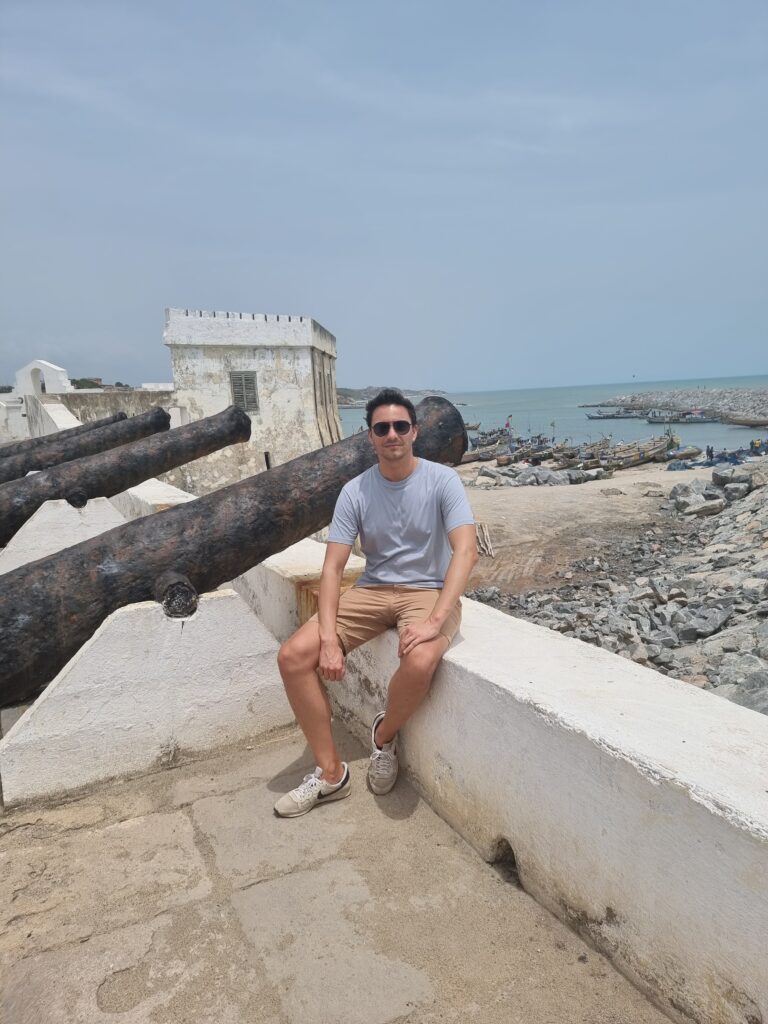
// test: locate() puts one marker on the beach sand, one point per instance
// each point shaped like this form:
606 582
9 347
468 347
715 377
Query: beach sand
538 532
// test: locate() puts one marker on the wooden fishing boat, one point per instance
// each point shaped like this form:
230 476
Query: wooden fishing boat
616 414
471 426
636 453
689 416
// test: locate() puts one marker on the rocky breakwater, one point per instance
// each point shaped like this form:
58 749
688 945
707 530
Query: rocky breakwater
721 402
534 476
697 604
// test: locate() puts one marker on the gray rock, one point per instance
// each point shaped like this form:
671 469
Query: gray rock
688 501
680 491
665 637
577 476
710 492
737 668
756 700
735 491
659 591
706 508
704 623
721 477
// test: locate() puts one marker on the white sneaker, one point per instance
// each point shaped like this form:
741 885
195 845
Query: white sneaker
382 770
313 790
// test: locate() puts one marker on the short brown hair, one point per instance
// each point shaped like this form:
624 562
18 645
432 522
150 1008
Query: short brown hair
389 396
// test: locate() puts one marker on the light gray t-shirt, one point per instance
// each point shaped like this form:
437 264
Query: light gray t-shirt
404 525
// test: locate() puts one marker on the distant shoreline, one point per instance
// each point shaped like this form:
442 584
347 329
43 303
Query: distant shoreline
358 398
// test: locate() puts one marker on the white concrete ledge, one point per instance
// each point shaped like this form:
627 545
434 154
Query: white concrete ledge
635 805
148 497
57 525
144 690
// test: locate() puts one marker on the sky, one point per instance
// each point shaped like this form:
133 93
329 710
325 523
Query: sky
470 196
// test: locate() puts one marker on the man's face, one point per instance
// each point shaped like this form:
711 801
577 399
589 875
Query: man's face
393 447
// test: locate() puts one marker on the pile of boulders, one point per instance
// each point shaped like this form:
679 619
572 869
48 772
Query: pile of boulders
719 401
535 476
708 498
696 606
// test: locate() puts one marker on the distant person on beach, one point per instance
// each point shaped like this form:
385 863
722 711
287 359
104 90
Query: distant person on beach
417 532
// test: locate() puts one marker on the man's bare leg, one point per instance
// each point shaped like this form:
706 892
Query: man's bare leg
410 685
298 660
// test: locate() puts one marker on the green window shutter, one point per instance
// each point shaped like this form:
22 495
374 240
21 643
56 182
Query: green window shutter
244 393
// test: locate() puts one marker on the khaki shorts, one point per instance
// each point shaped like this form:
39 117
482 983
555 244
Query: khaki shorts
366 612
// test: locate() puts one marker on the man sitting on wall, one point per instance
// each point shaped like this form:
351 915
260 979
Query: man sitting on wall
417 532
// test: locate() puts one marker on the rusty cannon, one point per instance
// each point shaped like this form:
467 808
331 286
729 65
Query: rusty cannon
67 449
31 444
113 471
49 608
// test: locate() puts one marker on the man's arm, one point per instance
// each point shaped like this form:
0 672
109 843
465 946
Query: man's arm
463 541
331 665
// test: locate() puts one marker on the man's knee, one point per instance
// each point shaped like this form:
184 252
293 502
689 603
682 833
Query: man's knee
424 658
298 653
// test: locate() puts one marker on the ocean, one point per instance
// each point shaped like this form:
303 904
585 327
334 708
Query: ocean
555 412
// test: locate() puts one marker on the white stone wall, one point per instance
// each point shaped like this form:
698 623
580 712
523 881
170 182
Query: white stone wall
294 362
45 417
13 419
144 691
28 378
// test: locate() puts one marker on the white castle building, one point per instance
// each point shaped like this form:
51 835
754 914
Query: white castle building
281 369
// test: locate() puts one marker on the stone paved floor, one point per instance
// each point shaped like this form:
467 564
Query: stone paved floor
179 897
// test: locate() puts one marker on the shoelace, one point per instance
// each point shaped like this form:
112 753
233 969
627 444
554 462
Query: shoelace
382 761
308 787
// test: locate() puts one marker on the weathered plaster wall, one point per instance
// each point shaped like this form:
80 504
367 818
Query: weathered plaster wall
13 419
47 417
294 362
94 405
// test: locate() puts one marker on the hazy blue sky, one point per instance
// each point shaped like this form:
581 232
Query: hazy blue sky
468 195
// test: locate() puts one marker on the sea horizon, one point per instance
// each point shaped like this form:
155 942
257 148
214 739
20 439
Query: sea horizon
558 411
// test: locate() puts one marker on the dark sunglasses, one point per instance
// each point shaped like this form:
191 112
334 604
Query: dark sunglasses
401 427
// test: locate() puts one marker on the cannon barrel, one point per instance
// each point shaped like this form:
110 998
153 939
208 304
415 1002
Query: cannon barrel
111 472
122 432
50 607
33 444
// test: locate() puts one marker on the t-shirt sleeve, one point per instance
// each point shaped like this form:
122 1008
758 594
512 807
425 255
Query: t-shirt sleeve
454 504
344 525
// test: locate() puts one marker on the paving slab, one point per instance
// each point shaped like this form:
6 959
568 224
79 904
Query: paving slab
180 897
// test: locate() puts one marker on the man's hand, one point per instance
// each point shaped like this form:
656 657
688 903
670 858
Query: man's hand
332 660
415 634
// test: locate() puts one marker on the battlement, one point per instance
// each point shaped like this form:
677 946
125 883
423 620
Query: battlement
204 327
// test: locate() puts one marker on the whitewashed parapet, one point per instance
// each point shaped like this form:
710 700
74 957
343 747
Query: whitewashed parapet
57 525
150 496
144 691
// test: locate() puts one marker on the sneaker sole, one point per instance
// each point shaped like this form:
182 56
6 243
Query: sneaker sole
338 795
381 792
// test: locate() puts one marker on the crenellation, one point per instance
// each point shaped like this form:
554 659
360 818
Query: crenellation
234 315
